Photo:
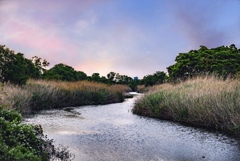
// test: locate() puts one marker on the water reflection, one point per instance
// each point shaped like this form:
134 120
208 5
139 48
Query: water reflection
112 132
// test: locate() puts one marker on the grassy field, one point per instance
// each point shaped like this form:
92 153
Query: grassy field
39 94
207 102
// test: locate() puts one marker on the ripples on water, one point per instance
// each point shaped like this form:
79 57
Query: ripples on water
112 132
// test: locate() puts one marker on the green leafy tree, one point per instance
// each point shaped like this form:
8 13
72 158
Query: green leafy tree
96 77
133 84
111 76
62 72
40 65
116 78
81 75
15 68
157 78
124 79
104 80
223 61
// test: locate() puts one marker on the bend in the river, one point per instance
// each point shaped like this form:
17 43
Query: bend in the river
112 132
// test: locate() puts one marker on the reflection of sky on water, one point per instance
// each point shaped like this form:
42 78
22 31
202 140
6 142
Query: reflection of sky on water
112 132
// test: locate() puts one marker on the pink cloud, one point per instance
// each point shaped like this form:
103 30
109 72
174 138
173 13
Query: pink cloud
38 38
39 28
72 32
29 34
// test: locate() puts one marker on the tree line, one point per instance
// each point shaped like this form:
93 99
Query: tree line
223 61
17 69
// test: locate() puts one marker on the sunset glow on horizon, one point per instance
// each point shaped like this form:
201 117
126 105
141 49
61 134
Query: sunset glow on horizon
134 38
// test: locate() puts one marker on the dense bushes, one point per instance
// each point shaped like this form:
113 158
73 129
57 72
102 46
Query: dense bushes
208 102
25 142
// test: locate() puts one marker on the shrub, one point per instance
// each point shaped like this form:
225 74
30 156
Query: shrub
25 142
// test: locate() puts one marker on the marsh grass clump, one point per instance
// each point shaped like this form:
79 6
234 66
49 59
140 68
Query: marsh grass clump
42 94
207 101
15 97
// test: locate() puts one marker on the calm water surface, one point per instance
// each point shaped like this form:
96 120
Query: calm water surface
113 133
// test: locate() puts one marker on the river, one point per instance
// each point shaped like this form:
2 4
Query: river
113 133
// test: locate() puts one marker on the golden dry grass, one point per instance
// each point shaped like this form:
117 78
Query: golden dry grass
14 97
42 94
208 102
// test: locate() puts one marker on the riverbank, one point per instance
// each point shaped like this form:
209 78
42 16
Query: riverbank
39 94
112 133
207 102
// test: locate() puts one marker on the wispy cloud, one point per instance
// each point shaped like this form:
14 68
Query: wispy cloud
39 29
206 23
135 37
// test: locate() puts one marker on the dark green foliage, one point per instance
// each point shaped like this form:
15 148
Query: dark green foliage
25 142
157 78
81 75
10 116
223 61
124 79
116 78
64 72
96 77
119 79
104 80
111 76
133 84
39 65
16 69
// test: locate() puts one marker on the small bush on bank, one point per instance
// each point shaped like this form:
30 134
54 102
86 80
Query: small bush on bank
25 142
208 102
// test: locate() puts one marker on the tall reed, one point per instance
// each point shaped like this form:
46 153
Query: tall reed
208 102
41 94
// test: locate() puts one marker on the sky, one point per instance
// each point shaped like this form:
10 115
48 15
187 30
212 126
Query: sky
129 37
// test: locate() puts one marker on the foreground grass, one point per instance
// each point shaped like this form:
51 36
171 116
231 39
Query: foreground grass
207 102
39 94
